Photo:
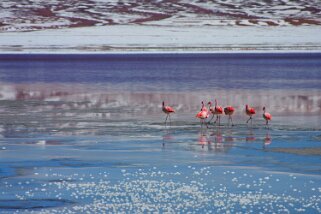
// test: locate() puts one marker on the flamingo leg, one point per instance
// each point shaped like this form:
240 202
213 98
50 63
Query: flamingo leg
170 122
211 119
216 119
219 120
231 120
250 119
228 124
166 119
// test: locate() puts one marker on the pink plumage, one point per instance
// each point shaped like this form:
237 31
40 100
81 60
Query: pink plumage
167 110
229 110
202 114
249 111
267 116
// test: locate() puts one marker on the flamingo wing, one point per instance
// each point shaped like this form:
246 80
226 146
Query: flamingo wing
199 114
205 114
202 114
267 116
229 109
219 109
169 109
252 111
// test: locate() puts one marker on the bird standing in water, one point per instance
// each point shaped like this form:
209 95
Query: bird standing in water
216 110
267 116
249 111
203 114
229 110
167 110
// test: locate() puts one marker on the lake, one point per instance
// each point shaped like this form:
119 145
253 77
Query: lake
85 133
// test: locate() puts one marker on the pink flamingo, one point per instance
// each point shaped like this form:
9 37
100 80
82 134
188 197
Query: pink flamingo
267 116
229 110
217 110
203 114
167 110
249 111
211 110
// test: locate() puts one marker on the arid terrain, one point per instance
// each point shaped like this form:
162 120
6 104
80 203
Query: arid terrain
30 15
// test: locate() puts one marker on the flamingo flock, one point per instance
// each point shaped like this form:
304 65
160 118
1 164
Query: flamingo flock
217 111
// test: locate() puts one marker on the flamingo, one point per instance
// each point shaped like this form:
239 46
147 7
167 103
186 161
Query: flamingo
218 110
229 110
249 111
167 110
211 111
203 114
267 116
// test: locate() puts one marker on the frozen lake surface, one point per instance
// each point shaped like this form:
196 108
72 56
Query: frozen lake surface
85 133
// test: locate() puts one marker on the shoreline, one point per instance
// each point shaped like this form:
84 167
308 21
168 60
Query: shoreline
154 53
174 52
164 39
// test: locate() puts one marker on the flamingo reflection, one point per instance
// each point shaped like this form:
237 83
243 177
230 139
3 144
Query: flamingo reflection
229 137
250 137
218 140
267 140
202 140
167 137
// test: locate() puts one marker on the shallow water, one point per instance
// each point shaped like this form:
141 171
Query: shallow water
94 141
